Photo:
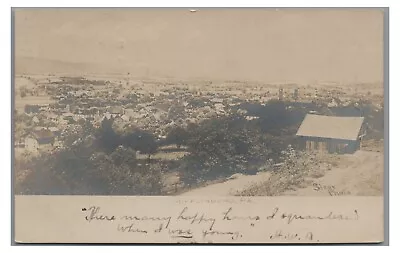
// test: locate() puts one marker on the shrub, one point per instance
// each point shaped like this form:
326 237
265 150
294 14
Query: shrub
291 174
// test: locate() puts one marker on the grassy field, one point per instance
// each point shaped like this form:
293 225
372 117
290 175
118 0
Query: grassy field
29 84
31 100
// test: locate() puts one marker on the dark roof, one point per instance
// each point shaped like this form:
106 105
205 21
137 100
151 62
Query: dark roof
43 133
345 128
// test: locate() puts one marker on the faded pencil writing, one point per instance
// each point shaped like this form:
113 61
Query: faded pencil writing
227 224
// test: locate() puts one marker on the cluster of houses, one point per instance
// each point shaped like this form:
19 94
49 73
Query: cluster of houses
156 113
159 111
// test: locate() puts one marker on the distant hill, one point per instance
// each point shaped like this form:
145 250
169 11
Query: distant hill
31 65
34 66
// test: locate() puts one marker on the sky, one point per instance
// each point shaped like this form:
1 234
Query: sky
267 45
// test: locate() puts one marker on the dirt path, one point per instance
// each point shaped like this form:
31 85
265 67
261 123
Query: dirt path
230 187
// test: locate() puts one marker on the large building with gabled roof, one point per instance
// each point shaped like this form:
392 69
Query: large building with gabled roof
331 134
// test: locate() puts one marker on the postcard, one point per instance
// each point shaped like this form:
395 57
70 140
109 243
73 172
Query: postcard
198 125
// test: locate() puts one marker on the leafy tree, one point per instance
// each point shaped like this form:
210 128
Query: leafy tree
82 169
124 176
106 137
141 141
178 136
221 137
222 146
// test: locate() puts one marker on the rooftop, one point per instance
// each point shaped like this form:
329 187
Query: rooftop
43 133
345 128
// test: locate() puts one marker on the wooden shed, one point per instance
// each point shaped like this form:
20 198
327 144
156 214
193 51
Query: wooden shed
331 134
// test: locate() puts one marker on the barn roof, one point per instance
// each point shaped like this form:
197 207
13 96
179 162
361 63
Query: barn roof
345 128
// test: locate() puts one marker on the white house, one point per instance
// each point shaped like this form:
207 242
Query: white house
31 144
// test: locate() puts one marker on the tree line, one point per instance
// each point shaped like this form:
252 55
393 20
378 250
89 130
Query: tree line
102 161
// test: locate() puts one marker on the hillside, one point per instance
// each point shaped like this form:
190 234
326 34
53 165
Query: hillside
31 65
358 174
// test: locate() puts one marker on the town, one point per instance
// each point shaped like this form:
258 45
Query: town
54 113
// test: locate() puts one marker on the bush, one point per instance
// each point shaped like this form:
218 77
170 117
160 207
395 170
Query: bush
77 171
290 175
178 136
223 146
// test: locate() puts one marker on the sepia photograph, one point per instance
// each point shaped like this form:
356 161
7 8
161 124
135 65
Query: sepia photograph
199 102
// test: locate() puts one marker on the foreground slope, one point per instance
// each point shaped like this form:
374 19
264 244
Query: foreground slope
358 174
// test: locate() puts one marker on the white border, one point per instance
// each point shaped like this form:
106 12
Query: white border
6 124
